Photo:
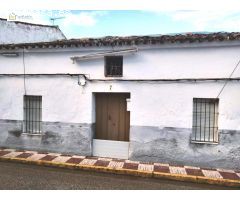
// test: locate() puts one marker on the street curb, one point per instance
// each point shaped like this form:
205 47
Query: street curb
168 176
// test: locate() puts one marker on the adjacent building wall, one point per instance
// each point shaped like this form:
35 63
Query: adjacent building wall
12 32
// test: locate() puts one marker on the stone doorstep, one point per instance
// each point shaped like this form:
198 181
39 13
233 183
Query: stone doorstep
161 170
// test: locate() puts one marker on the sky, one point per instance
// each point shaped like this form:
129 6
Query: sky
99 23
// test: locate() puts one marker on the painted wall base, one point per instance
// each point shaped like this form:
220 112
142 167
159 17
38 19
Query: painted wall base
56 137
173 145
149 144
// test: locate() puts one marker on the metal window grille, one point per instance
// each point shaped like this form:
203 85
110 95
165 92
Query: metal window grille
32 114
205 120
113 65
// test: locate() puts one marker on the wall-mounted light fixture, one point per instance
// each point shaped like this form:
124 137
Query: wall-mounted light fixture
10 54
81 80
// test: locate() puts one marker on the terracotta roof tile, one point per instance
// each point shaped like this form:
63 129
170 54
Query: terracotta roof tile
131 40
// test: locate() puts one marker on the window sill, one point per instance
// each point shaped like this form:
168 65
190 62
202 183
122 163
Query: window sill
113 76
33 134
204 142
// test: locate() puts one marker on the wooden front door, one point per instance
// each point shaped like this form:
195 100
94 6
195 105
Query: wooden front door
112 117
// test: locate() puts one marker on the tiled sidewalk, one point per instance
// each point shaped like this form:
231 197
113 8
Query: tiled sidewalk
184 173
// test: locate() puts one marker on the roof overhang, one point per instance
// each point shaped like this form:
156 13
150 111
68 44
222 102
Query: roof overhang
194 39
102 54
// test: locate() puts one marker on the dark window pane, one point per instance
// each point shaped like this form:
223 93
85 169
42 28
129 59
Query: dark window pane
113 66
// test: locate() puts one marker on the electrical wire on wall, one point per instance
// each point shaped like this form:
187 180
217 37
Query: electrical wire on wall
226 82
24 72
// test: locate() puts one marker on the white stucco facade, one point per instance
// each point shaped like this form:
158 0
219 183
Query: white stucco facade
172 100
160 104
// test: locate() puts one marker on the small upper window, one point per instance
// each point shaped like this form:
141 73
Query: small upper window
113 66
205 120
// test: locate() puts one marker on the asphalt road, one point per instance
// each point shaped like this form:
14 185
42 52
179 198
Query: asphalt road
24 176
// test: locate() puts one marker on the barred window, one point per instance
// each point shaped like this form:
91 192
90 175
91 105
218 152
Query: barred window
32 114
205 120
113 65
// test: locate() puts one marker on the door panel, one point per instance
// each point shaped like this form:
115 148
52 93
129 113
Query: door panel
101 107
123 120
127 125
112 117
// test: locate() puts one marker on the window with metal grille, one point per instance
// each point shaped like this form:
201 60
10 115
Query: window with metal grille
205 120
32 114
113 65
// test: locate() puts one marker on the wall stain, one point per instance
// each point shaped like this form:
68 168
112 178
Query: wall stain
50 138
16 133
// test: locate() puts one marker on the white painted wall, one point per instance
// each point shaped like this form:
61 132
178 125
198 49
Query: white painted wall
152 104
155 63
62 99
